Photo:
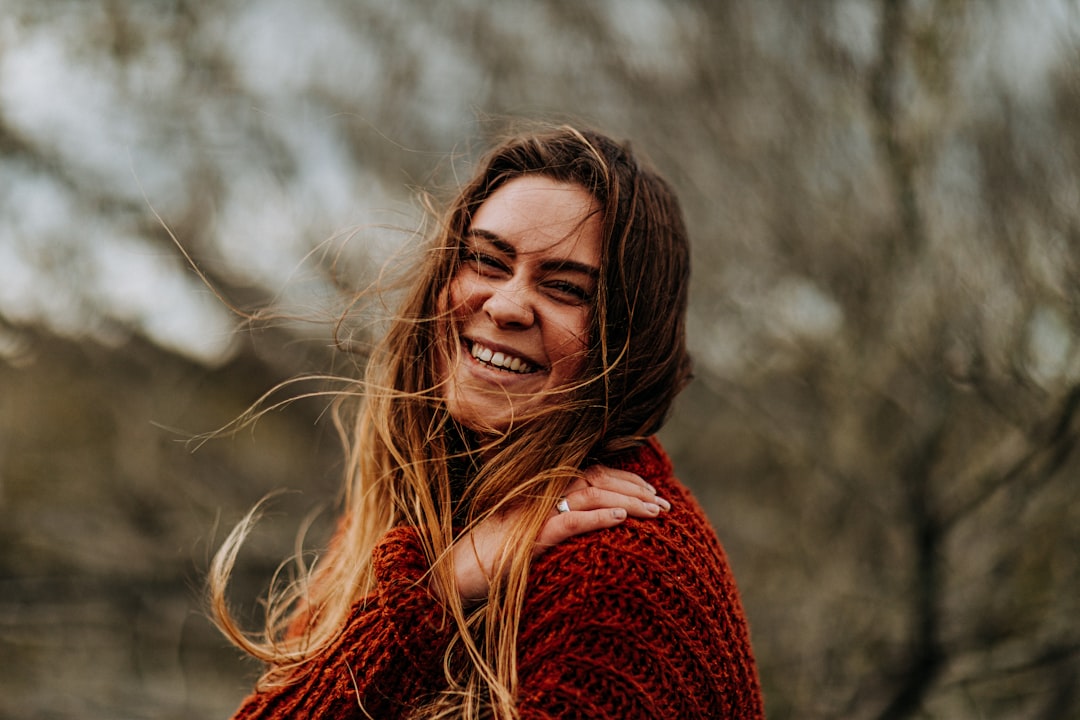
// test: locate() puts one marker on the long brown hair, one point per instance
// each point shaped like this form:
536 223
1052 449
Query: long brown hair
409 464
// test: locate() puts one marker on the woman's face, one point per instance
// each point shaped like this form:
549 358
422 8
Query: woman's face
522 300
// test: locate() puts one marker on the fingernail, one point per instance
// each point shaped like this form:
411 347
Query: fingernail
651 488
663 503
618 513
653 508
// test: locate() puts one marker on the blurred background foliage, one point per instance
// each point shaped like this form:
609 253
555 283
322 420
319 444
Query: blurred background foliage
885 206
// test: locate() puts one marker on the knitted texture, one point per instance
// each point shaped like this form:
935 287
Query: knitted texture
638 621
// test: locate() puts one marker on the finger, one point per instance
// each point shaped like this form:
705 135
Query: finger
567 525
596 498
627 483
605 476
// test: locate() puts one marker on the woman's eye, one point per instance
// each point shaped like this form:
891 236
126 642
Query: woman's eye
570 290
484 263
489 262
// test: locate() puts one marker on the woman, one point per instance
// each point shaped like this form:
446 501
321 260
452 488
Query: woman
513 543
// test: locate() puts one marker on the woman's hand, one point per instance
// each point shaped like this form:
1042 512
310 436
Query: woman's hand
603 498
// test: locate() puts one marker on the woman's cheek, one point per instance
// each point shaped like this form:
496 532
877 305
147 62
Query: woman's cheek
457 295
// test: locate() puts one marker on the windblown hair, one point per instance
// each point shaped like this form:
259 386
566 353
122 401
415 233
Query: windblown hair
408 463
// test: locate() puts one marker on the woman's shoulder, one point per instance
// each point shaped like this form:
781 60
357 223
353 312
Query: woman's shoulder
672 553
651 604
685 523
647 459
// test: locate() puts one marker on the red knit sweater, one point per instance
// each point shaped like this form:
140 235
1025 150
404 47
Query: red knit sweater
638 621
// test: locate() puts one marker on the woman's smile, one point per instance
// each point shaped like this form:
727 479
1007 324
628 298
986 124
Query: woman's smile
501 360
521 301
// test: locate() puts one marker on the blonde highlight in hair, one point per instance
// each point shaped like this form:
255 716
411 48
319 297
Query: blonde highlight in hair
408 463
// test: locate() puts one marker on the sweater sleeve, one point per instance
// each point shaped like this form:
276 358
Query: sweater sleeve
640 621
389 651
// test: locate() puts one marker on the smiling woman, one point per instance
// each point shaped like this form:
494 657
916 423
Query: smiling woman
513 542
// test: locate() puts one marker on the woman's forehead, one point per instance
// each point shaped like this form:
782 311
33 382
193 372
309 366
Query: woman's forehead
536 214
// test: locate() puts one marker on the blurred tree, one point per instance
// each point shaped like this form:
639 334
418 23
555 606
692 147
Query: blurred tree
886 309
909 405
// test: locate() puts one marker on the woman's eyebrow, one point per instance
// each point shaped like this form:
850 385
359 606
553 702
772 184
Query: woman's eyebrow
500 244
550 265
566 265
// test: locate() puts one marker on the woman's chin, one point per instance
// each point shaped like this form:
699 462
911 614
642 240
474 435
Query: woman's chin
492 411
494 417
486 424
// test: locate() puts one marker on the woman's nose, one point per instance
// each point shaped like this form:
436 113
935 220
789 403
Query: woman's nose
510 306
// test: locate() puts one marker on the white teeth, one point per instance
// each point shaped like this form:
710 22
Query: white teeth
500 360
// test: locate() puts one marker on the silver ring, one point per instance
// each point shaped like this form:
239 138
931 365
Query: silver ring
562 506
